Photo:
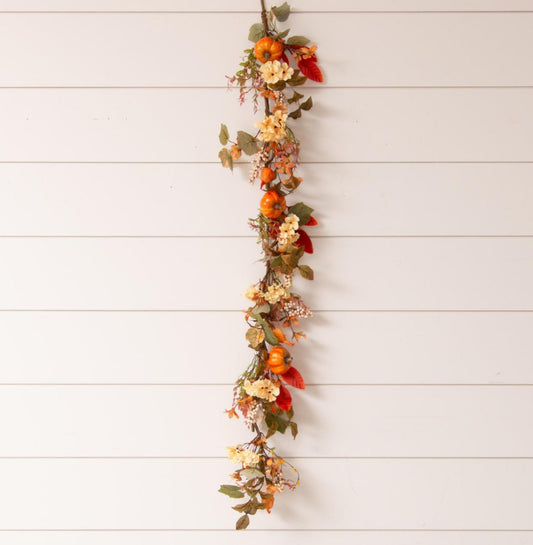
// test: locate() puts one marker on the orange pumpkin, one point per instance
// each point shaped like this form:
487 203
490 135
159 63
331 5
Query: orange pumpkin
279 360
267 49
267 175
272 204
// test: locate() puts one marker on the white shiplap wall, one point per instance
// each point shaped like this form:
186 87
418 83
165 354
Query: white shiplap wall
418 160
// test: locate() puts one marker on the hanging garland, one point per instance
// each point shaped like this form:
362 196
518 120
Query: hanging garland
261 394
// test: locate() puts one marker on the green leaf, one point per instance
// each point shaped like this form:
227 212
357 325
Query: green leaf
225 158
282 12
297 79
294 429
281 35
298 40
269 336
276 262
307 105
272 424
242 523
262 309
295 97
251 473
282 424
296 114
306 272
257 32
247 143
231 491
224 134
302 211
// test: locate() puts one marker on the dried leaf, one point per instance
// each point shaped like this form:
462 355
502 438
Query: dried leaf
225 158
242 523
306 272
307 105
255 337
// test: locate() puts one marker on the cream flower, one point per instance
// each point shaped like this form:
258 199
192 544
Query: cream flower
287 230
253 293
286 72
264 389
272 128
274 71
238 455
275 292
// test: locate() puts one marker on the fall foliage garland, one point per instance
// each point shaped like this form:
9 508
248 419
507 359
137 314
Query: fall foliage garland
261 394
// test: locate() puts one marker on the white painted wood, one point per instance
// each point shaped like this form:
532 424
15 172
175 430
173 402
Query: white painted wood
359 199
352 274
264 537
247 6
167 347
381 494
370 147
365 49
365 124
406 421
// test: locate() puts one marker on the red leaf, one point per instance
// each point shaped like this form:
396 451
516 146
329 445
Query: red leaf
312 221
293 377
305 241
310 69
284 58
284 399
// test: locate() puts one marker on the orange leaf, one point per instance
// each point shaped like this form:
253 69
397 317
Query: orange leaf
310 69
284 399
293 377
312 221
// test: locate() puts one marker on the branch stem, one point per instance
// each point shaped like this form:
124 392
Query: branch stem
265 28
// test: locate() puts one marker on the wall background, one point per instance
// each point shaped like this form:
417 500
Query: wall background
125 249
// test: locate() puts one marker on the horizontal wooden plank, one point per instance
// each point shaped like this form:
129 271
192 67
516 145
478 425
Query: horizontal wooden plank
140 347
382 494
366 124
163 200
385 421
245 5
264 537
455 49
211 274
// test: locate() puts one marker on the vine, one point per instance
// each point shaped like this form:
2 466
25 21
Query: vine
261 393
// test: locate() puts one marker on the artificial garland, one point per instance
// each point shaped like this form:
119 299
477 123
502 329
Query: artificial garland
261 395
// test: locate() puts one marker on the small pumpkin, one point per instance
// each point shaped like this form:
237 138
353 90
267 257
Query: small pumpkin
272 204
267 175
279 360
267 49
